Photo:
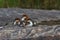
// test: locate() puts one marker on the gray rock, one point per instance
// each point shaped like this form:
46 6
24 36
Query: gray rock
9 31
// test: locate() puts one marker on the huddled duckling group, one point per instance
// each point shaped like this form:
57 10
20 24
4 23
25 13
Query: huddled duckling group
24 21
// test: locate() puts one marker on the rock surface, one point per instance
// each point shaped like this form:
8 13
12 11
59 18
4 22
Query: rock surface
9 32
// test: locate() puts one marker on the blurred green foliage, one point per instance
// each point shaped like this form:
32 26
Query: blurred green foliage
34 4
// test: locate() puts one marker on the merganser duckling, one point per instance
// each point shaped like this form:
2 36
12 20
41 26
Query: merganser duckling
24 17
17 21
29 22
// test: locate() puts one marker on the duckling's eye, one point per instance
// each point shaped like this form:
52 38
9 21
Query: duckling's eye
25 18
28 22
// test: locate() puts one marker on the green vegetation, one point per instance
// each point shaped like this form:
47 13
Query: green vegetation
37 4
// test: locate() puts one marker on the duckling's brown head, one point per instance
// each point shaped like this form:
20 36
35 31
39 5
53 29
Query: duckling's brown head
25 17
17 19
